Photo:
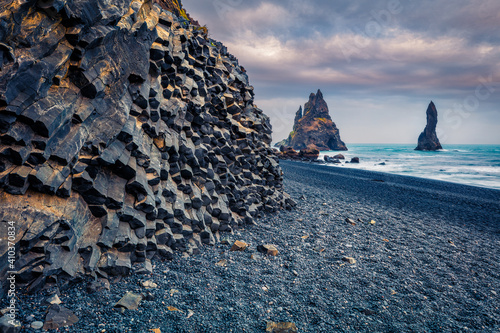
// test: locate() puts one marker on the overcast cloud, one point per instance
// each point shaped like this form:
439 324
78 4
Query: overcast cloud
377 62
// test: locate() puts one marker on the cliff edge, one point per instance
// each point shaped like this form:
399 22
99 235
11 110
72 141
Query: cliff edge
125 133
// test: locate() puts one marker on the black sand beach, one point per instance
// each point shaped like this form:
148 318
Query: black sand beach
429 263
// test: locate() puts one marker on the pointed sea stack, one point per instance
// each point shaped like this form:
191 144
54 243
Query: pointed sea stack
428 139
314 128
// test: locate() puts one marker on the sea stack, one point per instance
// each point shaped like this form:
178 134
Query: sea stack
313 127
428 139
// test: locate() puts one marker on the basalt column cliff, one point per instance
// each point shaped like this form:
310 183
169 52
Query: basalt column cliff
126 133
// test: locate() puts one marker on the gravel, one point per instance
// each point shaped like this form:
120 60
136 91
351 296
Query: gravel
425 258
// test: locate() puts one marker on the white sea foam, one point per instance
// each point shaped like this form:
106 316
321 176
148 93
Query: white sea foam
477 165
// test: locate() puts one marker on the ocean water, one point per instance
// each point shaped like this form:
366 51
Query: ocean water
477 165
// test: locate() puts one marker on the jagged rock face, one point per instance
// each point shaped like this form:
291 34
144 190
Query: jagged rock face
428 139
298 116
125 134
313 128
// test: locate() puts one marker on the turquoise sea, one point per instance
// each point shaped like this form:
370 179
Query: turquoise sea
477 165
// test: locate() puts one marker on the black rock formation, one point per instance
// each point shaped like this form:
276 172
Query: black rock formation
125 133
428 139
314 127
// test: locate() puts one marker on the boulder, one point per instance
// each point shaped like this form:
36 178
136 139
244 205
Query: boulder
98 285
310 153
58 316
129 301
288 153
7 325
355 160
269 249
286 327
239 246
329 159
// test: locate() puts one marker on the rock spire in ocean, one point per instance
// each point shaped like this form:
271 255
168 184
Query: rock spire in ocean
428 139
313 127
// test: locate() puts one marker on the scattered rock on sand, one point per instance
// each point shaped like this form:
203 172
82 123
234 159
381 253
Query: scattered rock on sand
148 297
368 312
349 260
221 263
268 249
9 326
36 325
149 284
350 221
98 285
54 299
273 327
58 316
173 309
130 301
239 246
319 249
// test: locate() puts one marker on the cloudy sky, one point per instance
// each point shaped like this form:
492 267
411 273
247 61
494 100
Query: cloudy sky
378 62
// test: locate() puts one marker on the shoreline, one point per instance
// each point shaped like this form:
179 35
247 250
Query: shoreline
427 263
476 165
391 189
386 173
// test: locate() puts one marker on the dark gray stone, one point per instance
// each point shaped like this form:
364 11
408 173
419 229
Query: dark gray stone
7 325
58 316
